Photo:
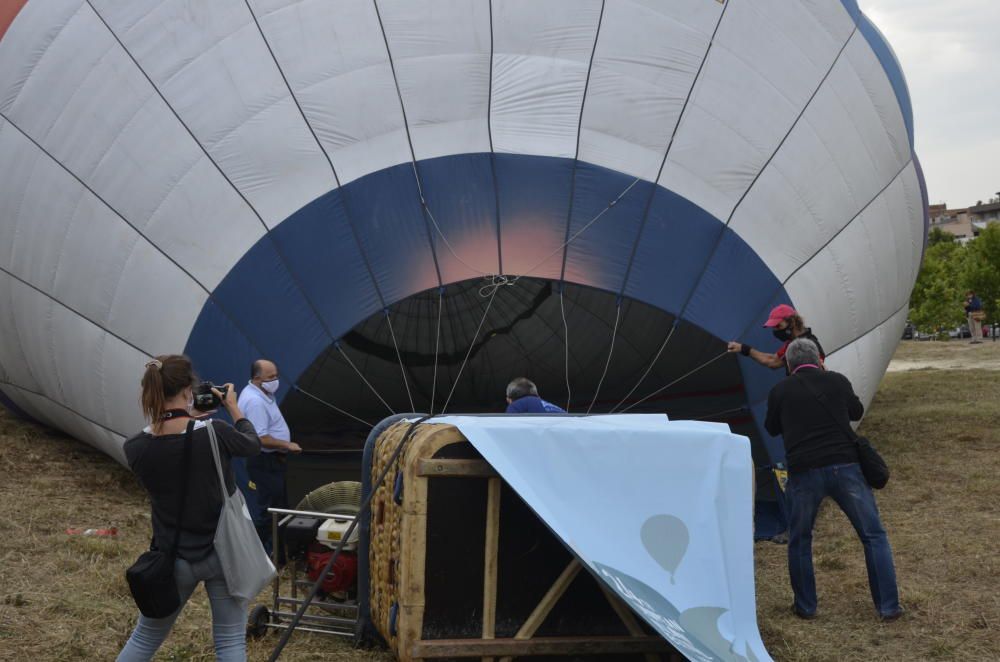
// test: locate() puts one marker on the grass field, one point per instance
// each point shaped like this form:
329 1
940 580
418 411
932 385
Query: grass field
64 597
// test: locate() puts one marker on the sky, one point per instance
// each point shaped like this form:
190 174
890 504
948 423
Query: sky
950 52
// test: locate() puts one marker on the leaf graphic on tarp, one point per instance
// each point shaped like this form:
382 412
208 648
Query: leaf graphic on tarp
665 538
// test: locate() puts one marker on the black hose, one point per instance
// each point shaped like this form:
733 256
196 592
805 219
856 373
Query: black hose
276 653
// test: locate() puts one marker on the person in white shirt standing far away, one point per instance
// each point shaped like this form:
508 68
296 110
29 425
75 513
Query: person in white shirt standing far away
266 471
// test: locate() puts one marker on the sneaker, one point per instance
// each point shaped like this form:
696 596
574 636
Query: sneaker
780 539
895 616
803 615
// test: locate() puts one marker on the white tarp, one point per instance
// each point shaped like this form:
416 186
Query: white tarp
661 511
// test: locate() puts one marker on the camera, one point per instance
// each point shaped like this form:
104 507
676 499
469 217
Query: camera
204 399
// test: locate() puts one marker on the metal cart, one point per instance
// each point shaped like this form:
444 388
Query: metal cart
338 617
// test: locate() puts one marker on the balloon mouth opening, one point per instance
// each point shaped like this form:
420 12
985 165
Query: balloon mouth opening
455 349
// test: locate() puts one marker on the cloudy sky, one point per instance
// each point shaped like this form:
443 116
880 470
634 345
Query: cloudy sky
950 52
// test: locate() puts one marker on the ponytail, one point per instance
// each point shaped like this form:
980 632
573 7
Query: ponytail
165 376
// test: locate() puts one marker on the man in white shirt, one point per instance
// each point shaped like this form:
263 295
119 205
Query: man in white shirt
266 471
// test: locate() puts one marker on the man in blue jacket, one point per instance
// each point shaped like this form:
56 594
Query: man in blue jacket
522 398
974 312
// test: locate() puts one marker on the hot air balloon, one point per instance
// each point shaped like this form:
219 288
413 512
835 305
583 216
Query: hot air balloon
407 204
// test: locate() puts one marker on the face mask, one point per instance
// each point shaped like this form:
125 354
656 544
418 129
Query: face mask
783 335
270 387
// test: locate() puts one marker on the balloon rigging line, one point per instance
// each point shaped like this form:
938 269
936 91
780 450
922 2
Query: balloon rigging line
562 309
331 406
367 383
402 368
611 351
499 280
576 234
682 377
437 347
649 368
482 321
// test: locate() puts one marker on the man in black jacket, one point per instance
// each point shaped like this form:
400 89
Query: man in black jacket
822 461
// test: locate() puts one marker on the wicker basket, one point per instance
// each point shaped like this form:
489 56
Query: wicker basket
459 567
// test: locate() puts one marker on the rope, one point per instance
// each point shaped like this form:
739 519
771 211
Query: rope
367 383
399 357
611 351
649 368
469 353
497 280
447 244
562 309
437 347
331 406
576 234
682 377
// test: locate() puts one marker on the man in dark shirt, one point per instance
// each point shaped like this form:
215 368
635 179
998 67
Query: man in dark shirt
823 461
522 398
974 313
786 325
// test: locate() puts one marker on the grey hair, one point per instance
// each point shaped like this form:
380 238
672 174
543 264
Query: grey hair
521 387
802 352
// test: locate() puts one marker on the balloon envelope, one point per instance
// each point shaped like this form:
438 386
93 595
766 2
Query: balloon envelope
336 185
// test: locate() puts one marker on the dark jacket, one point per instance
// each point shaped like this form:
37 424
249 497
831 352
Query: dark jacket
812 437
532 404
157 462
973 304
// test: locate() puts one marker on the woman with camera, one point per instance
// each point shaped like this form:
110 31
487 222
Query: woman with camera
181 478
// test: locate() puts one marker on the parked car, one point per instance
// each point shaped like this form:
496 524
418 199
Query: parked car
960 332
909 331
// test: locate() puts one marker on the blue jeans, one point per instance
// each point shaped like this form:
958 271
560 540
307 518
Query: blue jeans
846 485
229 615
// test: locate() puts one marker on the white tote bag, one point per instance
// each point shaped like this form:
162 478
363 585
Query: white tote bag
245 564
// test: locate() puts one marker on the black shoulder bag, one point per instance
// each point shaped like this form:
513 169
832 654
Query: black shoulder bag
874 468
151 577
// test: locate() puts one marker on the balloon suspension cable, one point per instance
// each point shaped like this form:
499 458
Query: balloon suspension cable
649 368
562 309
681 378
576 234
611 351
362 511
469 353
367 383
497 280
437 348
399 357
331 406
440 233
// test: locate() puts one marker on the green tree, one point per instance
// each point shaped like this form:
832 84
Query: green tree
936 302
981 269
938 236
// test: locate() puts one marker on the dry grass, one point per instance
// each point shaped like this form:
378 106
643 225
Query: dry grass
64 597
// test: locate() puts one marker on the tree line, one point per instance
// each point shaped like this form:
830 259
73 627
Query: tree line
949 270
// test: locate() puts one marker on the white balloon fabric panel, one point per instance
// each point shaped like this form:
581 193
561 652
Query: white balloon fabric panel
281 170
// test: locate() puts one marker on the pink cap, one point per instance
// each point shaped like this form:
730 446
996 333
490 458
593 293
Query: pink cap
778 314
